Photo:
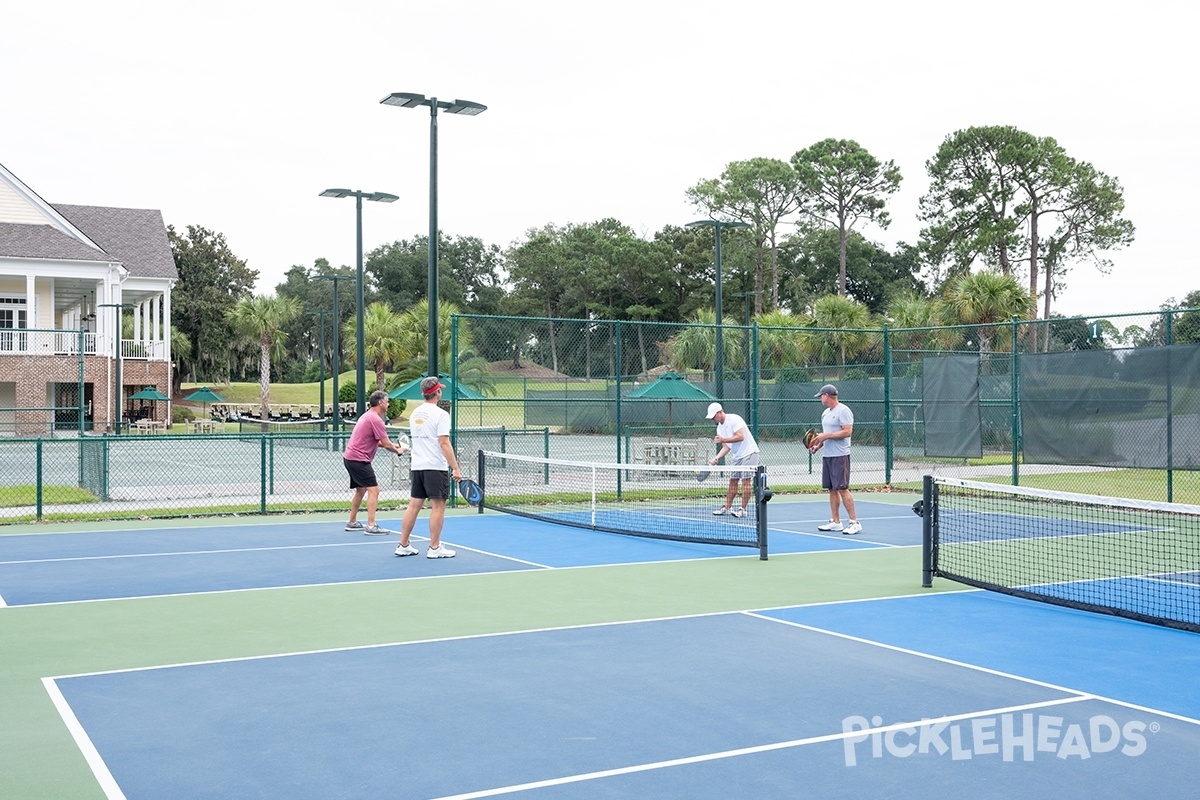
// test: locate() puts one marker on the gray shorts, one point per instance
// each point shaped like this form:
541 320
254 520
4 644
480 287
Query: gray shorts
835 473
750 462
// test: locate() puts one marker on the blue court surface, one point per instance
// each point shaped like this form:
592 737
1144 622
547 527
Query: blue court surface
730 705
894 692
69 567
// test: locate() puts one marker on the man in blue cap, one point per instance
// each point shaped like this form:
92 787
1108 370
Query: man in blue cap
837 423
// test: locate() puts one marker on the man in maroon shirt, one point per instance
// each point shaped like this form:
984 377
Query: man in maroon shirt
369 435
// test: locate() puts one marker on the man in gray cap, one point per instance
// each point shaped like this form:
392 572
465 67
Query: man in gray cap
837 423
432 456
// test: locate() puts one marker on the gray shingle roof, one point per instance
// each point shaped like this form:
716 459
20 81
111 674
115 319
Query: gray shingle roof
43 241
137 237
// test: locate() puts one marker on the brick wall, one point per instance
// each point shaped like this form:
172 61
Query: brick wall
34 375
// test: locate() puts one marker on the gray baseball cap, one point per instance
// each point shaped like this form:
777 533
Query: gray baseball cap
828 388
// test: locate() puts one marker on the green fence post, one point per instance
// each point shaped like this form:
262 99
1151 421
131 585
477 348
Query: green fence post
454 402
104 468
887 406
39 479
262 473
754 371
79 396
1170 472
620 426
1015 402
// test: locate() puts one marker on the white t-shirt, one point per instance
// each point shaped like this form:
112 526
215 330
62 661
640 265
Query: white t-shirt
732 424
427 423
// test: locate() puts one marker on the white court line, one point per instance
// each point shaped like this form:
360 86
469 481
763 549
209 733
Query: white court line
2 603
192 552
963 664
1076 696
84 742
762 748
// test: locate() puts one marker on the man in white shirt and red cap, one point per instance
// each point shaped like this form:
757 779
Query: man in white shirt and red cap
432 456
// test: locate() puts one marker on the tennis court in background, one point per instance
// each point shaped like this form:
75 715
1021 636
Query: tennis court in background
286 658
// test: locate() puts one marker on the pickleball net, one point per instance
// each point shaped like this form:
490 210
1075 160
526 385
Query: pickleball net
650 500
1131 558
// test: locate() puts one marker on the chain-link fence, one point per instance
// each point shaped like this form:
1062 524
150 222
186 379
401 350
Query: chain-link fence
1093 406
1108 407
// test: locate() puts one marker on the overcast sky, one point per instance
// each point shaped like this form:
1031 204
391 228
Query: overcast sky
234 116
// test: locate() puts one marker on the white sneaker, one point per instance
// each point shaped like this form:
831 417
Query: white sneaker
852 528
406 550
440 552
830 526
720 512
739 512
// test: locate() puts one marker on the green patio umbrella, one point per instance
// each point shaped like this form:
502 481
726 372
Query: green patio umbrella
671 386
412 390
204 395
149 394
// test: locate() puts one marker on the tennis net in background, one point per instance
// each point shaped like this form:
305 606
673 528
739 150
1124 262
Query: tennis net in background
314 434
656 501
1130 558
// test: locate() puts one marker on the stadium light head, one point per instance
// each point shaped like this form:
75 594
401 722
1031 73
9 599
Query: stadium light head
405 100
717 224
465 107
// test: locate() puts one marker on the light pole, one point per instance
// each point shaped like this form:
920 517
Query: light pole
359 354
118 307
717 227
321 358
337 347
409 100
746 333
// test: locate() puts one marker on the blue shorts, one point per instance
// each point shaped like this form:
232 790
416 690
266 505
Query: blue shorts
835 472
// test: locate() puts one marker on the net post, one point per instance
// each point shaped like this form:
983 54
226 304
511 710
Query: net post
761 495
927 532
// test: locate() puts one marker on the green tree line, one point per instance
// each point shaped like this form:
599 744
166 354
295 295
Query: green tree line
1006 216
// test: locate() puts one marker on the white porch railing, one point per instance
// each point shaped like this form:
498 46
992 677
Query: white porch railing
20 341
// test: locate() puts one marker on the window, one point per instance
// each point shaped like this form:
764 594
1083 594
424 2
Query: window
12 315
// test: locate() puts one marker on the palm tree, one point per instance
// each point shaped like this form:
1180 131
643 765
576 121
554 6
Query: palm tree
261 319
181 353
839 331
778 344
919 323
988 298
695 346
383 340
414 331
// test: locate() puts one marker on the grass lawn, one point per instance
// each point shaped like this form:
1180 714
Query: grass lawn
1140 484
16 496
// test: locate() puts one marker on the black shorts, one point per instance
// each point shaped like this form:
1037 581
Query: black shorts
362 474
431 484
835 472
